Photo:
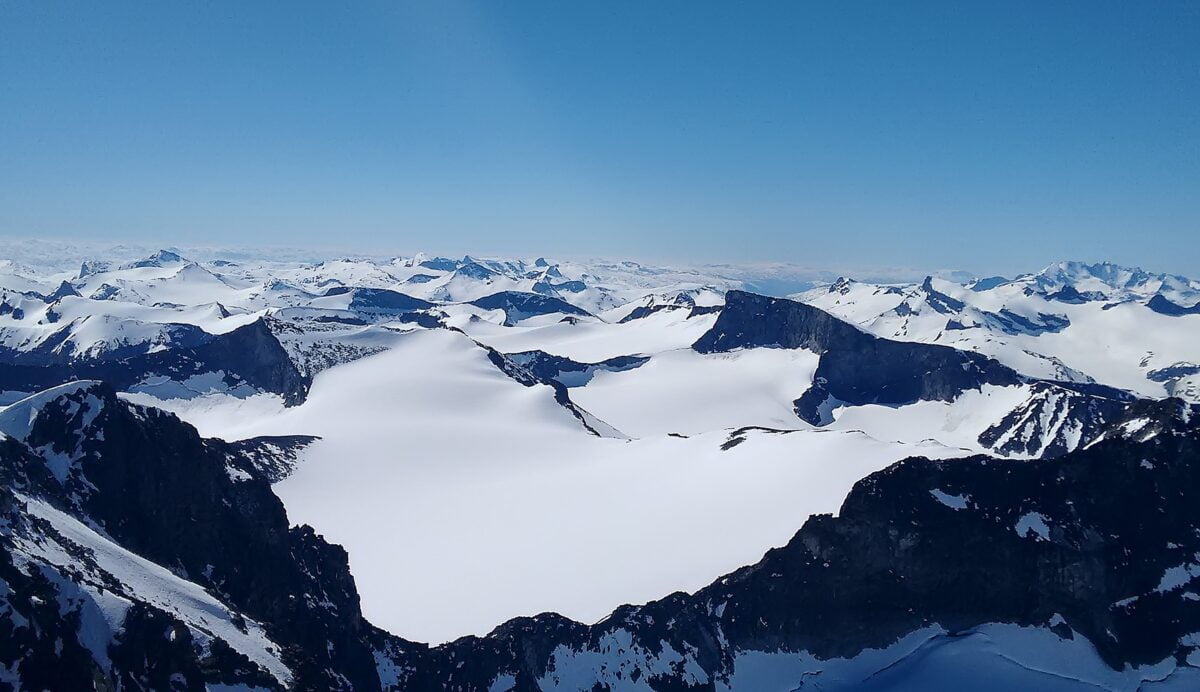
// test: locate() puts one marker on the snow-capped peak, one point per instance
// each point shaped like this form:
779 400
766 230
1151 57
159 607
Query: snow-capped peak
1114 281
162 259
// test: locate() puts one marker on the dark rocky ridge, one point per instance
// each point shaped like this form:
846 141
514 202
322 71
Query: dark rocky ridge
200 508
518 305
249 354
643 311
1060 416
571 373
474 270
273 457
1164 306
526 377
966 317
680 301
440 264
1072 295
379 301
856 367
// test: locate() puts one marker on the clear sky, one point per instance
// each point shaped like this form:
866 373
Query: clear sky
988 136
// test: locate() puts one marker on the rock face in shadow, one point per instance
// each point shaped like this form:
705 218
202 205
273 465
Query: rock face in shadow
149 483
528 378
252 353
1059 417
249 355
273 457
379 301
518 305
572 373
1164 306
856 367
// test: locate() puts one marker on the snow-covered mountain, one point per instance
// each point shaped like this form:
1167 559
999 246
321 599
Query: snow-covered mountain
585 434
1101 323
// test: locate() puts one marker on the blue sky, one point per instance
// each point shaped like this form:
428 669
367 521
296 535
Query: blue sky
986 136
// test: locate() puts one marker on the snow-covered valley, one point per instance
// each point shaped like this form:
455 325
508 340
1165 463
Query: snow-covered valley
466 499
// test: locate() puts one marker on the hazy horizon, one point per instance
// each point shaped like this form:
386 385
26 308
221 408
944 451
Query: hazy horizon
992 139
66 255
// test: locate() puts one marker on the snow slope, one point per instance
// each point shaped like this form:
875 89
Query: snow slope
682 391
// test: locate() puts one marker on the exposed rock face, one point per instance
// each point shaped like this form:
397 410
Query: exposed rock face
683 300
145 481
859 368
161 258
441 264
1057 418
1164 306
527 377
1181 379
473 270
254 354
247 355
643 311
518 305
856 367
572 373
379 302
273 457
315 344
1069 294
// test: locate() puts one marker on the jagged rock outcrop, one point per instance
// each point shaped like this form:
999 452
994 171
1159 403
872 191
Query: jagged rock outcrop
1057 418
1164 306
572 373
247 356
529 378
95 477
518 305
273 457
379 302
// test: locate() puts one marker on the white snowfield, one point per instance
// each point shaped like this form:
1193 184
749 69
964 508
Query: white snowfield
465 498
681 391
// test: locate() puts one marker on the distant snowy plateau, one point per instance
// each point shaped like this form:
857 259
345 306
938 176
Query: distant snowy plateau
491 439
